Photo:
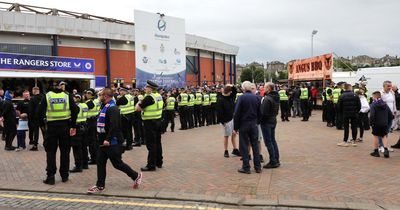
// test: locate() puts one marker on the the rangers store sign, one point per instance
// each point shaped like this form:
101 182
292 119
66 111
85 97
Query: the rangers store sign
315 68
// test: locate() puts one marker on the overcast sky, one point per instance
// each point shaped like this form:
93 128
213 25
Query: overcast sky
267 30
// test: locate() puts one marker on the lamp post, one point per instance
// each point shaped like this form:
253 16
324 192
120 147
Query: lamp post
314 32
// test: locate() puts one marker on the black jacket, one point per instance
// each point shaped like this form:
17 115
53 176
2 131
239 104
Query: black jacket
113 124
349 104
397 96
9 114
33 108
380 114
226 107
269 108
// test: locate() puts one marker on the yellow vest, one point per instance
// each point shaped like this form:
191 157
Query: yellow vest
57 106
129 107
304 94
83 113
154 111
237 96
96 109
206 100
336 94
199 99
184 100
171 103
213 98
328 98
283 96
191 100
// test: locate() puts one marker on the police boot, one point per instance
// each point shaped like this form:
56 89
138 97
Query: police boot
50 180
76 170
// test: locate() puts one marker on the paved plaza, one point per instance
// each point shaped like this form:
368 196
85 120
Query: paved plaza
314 172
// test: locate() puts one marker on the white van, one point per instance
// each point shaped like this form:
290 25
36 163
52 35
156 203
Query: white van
375 77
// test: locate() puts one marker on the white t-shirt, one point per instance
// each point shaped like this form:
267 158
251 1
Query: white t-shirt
364 105
390 100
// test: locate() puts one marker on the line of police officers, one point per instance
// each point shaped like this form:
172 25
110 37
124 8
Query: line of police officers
330 98
71 121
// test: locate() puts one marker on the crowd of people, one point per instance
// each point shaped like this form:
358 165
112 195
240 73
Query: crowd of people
102 125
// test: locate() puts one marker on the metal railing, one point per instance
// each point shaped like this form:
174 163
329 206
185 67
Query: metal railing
16 7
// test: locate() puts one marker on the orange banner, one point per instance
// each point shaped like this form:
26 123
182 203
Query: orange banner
315 68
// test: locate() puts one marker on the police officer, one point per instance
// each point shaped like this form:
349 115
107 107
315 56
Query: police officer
190 108
169 116
328 103
206 109
213 104
284 100
151 107
60 112
125 103
336 95
93 105
304 101
182 108
197 108
79 142
137 120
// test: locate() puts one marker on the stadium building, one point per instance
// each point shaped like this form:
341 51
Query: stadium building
39 31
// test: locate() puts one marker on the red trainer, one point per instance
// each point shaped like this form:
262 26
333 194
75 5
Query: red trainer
95 190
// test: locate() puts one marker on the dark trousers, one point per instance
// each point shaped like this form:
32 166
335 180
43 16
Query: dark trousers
126 121
79 145
347 120
205 113
92 138
268 132
153 142
362 123
21 136
114 153
10 132
57 136
285 110
213 113
197 115
248 135
338 118
329 112
190 117
305 109
169 117
34 129
138 127
183 116
314 102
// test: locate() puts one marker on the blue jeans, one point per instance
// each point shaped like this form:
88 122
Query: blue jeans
268 131
248 134
21 135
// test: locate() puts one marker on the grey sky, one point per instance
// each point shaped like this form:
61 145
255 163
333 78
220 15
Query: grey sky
267 30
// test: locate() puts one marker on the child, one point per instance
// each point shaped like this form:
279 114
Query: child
21 131
379 117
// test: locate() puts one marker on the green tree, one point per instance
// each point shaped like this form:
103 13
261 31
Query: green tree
252 72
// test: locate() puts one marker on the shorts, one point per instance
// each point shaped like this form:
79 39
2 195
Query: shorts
380 131
228 128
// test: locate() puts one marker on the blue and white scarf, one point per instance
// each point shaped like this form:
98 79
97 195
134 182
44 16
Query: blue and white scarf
101 121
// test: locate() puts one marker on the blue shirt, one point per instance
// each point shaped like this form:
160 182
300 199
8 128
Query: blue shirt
22 125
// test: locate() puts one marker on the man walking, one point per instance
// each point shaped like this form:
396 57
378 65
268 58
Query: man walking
34 118
110 140
10 120
247 115
349 105
93 112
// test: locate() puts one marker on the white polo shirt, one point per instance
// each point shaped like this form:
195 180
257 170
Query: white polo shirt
390 100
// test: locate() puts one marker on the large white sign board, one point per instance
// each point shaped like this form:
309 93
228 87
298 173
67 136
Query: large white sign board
160 50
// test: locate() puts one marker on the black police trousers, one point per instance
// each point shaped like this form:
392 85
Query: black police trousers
183 116
153 142
57 136
169 117
79 145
